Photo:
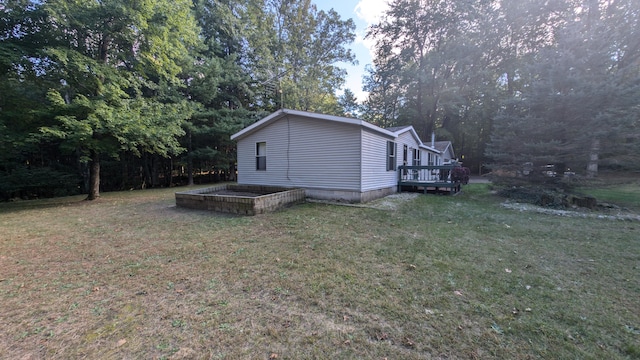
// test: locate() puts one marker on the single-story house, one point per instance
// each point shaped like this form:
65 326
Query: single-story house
331 157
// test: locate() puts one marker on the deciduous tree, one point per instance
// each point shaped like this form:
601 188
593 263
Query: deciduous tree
111 58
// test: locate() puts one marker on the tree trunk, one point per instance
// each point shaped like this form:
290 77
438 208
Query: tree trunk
94 177
232 172
592 166
169 173
190 170
146 177
125 174
84 173
155 171
189 161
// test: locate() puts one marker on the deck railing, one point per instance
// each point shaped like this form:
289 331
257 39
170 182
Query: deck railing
428 176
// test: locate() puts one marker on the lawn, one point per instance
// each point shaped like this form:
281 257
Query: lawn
442 277
626 195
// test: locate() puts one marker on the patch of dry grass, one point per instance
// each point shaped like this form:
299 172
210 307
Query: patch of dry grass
132 276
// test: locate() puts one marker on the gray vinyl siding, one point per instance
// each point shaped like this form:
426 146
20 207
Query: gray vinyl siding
406 138
374 162
303 152
447 155
276 149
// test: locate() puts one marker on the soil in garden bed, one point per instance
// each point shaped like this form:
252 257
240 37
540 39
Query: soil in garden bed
238 193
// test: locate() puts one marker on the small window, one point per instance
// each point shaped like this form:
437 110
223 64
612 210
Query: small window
391 156
416 157
405 155
261 156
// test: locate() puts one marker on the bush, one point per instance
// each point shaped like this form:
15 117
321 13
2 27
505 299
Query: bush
547 197
461 174
535 195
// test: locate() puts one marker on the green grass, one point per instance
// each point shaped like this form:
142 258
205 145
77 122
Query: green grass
132 276
627 195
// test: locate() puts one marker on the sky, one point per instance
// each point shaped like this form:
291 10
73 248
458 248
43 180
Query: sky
363 13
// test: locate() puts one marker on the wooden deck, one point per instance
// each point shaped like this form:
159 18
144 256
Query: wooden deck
428 179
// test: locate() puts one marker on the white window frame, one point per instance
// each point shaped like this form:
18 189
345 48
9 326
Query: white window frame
391 155
261 159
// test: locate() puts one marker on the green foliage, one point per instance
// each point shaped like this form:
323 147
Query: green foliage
303 53
424 53
577 102
37 182
542 82
114 61
135 125
538 195
135 82
349 104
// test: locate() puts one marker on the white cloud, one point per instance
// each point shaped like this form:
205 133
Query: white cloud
371 12
364 13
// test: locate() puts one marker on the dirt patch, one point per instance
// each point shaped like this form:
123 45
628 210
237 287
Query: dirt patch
571 213
390 202
393 201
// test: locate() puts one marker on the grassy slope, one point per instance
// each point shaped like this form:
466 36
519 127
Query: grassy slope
627 195
131 276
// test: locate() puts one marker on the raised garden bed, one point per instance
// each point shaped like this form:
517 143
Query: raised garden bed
240 199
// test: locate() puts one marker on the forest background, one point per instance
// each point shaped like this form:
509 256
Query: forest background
114 94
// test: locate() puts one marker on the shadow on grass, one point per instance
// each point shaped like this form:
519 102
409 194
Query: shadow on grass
14 206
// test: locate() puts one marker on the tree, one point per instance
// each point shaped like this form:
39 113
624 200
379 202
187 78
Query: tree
578 99
305 50
435 68
111 58
349 103
507 35
422 46
29 167
110 85
510 73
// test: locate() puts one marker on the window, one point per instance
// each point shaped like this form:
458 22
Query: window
391 156
416 157
405 155
261 156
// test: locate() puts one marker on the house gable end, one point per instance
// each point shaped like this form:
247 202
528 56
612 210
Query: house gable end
321 117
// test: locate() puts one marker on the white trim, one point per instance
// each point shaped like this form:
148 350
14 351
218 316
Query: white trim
434 150
411 130
260 155
416 137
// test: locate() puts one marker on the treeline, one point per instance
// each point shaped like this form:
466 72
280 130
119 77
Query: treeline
118 94
513 82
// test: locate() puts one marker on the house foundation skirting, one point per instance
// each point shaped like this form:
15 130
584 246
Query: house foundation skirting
349 195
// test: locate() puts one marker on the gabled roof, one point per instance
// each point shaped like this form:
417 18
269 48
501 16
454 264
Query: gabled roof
430 148
284 112
442 146
393 132
397 130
